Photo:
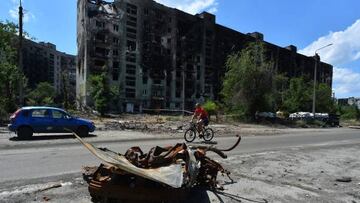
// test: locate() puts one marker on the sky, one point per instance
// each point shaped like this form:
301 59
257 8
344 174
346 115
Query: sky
307 24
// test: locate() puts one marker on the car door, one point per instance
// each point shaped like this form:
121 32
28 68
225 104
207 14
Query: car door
62 121
40 120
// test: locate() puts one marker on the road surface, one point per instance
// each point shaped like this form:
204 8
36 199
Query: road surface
50 157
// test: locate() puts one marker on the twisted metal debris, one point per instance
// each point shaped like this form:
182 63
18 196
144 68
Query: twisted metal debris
164 173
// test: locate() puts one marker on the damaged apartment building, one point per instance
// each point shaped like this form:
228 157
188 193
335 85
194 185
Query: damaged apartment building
164 58
43 63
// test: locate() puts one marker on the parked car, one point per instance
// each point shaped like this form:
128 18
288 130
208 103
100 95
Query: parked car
38 119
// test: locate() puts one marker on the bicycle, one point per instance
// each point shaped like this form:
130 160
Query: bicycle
192 131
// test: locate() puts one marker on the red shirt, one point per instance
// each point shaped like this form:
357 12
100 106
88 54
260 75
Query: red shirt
201 112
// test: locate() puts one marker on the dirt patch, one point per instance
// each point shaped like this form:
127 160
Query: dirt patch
297 175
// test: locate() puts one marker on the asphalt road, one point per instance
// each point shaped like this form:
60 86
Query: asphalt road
48 157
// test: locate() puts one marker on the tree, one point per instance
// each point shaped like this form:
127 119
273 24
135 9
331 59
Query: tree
298 96
9 73
101 92
247 80
43 94
324 101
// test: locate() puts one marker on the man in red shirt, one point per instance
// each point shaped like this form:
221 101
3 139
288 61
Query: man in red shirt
202 117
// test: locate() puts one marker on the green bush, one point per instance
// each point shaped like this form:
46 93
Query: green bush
349 112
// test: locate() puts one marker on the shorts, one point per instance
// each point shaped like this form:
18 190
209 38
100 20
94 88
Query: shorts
205 121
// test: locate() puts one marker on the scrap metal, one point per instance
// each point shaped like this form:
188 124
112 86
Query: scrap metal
164 173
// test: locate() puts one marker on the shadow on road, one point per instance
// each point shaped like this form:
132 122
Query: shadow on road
198 195
49 137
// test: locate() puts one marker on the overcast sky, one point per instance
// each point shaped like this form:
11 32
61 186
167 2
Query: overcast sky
307 24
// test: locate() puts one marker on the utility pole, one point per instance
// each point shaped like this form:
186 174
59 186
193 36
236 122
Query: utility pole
21 85
317 61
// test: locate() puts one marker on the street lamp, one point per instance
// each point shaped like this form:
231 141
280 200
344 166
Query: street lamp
317 59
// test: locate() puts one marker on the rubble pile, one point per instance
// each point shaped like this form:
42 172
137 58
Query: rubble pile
164 174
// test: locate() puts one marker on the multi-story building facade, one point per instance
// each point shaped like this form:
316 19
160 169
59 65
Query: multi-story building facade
43 63
351 101
161 57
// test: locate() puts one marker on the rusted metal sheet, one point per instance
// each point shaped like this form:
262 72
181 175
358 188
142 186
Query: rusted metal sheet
164 173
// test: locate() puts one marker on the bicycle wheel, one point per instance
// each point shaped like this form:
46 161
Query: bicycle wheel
208 134
189 135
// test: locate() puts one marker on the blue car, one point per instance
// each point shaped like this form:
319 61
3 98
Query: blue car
38 119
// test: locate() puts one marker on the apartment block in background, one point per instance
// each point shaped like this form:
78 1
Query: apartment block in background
164 58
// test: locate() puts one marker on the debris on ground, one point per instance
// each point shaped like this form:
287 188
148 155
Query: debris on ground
344 179
163 174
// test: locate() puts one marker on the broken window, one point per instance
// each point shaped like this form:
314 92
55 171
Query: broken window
100 24
131 30
131 36
99 63
101 51
130 83
130 71
131 45
133 24
115 52
116 40
145 80
130 18
146 11
131 9
130 93
116 28
131 58
100 37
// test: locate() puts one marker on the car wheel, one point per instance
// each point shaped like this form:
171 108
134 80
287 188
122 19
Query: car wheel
24 132
83 131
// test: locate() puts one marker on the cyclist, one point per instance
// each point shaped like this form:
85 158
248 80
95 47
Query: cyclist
202 118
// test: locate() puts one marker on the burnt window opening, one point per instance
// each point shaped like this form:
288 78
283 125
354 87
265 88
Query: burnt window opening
131 71
131 45
131 18
145 80
131 36
130 83
131 9
129 23
129 93
116 28
146 11
115 52
116 40
131 58
130 66
178 94
169 30
100 37
115 74
157 82
131 30
101 51
169 40
100 63
116 64
100 24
